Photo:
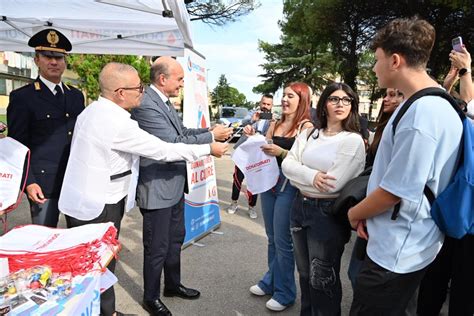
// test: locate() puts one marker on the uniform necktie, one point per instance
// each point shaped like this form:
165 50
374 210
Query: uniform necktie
59 92
168 103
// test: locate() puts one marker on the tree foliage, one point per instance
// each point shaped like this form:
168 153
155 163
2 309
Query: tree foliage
325 38
224 94
288 62
220 12
89 66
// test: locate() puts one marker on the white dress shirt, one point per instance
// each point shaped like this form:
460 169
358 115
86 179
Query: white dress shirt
108 142
51 85
163 97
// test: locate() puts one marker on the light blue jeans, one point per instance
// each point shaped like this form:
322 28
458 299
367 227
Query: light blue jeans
279 281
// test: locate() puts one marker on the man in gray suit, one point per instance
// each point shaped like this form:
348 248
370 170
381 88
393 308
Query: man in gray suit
161 186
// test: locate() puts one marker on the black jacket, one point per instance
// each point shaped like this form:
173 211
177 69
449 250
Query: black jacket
44 123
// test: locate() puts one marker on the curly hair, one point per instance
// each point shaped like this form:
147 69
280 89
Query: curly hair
413 38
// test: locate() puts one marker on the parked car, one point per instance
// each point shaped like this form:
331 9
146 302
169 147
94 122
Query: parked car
233 117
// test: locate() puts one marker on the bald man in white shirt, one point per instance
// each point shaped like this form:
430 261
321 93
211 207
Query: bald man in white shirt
102 171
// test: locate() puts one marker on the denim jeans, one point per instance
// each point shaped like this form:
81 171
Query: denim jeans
319 243
279 281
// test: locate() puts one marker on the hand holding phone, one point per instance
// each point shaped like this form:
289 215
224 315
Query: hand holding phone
457 44
266 115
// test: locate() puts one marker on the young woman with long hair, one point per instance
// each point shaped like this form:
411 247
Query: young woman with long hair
279 280
319 164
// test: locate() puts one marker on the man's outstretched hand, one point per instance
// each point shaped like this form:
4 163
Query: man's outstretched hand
219 149
221 132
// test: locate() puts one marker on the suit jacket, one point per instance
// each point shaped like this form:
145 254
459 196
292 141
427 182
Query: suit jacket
162 184
44 124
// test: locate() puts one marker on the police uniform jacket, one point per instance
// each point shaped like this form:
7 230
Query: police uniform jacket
44 123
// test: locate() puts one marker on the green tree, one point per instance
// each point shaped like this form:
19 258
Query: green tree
341 31
88 68
291 61
368 79
223 94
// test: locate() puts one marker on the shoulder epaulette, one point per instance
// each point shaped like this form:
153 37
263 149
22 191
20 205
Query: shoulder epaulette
24 87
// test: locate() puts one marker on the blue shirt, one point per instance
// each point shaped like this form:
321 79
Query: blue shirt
423 151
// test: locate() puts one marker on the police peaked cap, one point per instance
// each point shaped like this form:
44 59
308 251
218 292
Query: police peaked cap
50 42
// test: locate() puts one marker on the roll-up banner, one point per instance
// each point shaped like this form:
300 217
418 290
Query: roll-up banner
201 205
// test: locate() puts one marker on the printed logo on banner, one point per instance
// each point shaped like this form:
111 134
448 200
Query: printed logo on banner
201 204
194 66
6 176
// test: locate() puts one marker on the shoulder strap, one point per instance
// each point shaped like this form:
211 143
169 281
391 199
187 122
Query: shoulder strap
312 132
432 91
300 126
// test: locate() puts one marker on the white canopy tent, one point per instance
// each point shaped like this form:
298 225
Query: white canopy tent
133 27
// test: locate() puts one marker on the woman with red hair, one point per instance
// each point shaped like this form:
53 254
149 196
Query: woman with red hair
279 281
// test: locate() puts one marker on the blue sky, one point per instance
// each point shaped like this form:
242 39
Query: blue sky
233 49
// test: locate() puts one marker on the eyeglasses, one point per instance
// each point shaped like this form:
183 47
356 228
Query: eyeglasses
335 100
140 88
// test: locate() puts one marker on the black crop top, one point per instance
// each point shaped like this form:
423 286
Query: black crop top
283 142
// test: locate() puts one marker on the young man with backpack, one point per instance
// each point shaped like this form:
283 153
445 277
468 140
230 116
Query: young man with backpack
453 266
395 217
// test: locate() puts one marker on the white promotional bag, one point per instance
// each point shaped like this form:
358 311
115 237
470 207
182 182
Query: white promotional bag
12 159
260 170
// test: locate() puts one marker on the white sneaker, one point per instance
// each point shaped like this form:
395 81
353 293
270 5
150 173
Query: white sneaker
232 207
256 290
275 306
252 212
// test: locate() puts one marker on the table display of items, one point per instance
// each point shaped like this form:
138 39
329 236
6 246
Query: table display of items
33 287
56 271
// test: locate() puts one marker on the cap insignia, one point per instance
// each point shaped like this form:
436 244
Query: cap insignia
52 38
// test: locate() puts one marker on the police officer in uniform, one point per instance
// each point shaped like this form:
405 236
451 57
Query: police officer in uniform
41 115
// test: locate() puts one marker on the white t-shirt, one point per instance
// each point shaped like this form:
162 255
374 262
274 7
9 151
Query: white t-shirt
423 151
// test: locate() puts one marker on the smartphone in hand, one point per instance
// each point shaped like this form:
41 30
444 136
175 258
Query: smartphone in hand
266 116
457 44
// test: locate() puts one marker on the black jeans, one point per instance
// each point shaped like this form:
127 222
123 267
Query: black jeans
237 186
455 263
380 292
319 240
111 213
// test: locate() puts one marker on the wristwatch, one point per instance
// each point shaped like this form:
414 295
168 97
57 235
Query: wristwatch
464 71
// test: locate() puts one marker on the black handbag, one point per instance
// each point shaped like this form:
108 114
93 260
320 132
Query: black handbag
353 192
